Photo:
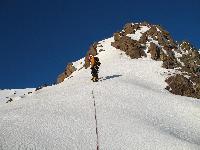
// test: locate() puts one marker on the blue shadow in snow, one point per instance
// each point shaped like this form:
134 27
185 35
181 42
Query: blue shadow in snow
111 77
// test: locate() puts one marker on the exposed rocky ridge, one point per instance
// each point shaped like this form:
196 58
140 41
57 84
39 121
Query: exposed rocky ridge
67 72
157 42
147 40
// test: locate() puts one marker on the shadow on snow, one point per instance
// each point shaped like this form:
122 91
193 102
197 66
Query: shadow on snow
112 77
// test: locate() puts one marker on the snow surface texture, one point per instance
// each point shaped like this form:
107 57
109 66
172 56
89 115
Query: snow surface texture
14 94
133 111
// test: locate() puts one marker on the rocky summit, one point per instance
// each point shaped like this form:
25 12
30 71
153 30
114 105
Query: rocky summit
139 40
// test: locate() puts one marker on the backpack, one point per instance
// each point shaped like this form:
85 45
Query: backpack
97 61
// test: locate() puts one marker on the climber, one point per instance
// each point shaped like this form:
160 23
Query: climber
94 62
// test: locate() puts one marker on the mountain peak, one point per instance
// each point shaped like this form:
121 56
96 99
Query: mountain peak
145 40
129 108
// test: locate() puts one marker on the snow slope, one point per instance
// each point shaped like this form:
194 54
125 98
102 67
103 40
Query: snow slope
133 111
14 94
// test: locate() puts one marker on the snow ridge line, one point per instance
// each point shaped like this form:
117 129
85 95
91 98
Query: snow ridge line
95 115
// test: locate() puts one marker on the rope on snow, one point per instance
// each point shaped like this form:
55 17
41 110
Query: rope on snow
95 114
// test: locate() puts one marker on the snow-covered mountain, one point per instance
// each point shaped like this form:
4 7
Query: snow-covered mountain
139 40
129 108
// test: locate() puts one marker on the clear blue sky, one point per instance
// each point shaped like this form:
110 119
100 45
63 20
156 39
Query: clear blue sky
39 37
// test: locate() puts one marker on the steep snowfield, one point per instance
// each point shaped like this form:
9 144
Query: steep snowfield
133 111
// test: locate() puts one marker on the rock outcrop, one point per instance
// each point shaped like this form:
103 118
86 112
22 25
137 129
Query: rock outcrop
180 85
68 71
154 50
188 62
135 48
92 51
148 40
157 42
131 47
